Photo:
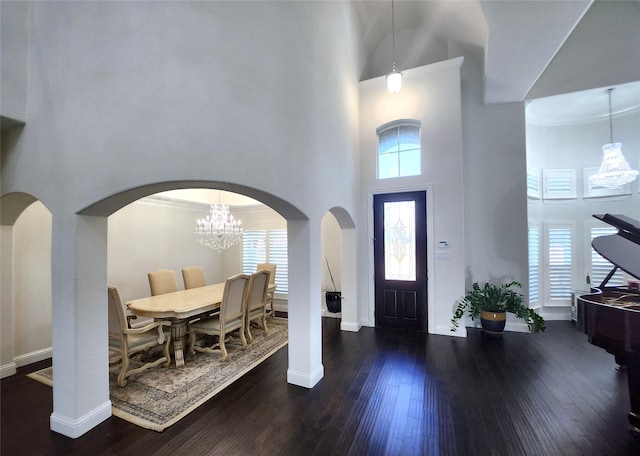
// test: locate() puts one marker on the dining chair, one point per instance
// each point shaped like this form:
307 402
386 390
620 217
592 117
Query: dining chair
229 319
257 301
126 341
162 281
271 267
193 277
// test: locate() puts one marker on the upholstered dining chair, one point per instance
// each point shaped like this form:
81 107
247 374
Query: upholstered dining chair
193 277
272 280
162 281
257 301
229 319
126 341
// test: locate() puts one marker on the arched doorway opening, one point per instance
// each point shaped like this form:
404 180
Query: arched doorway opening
338 267
26 282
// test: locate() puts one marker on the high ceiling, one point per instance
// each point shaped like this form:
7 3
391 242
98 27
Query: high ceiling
515 40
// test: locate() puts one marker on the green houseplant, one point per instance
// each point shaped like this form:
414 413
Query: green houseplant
490 302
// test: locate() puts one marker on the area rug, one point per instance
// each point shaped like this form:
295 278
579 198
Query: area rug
159 397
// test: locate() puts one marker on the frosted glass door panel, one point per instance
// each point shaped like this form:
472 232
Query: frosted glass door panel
400 240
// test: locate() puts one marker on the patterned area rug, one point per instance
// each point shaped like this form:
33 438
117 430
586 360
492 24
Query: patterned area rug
159 397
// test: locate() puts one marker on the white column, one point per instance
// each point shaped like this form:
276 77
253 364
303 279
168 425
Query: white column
305 322
350 321
79 324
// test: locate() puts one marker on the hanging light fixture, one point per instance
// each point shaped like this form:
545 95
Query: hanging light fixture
394 79
218 230
614 171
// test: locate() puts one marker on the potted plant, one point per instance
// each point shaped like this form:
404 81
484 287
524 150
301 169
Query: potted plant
491 302
332 295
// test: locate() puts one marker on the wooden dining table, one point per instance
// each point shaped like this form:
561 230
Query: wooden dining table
180 307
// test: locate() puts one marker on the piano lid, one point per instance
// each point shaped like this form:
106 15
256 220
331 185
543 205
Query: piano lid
623 248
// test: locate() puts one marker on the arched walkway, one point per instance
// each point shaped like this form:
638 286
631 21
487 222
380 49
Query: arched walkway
80 373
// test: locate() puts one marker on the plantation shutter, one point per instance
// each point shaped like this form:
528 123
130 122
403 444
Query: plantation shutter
559 260
600 266
254 250
278 256
534 263
559 183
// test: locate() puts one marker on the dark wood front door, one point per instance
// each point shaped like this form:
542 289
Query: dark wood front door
400 259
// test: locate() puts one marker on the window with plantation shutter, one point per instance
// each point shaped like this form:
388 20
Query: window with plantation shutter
533 183
559 260
559 183
534 264
254 250
277 254
267 246
600 267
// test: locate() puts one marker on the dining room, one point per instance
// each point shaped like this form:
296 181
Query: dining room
159 232
151 233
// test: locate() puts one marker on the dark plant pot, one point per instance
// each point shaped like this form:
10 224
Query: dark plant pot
493 322
334 301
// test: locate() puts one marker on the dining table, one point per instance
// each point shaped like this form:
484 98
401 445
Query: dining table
180 307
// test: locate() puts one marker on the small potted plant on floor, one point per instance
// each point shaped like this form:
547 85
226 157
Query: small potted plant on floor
491 302
332 296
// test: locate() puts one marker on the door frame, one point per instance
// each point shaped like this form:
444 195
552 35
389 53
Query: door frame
430 251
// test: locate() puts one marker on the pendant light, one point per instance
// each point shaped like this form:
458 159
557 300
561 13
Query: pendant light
614 171
394 79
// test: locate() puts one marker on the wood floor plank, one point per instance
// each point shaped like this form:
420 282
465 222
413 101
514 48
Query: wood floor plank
385 391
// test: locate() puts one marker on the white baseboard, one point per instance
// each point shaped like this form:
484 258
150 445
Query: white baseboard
33 357
7 370
74 428
347 326
305 380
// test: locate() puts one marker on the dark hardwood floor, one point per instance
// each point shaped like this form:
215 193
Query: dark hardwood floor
384 391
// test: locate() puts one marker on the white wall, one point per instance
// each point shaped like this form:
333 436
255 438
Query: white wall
603 50
26 289
431 94
576 146
153 234
495 217
13 46
129 98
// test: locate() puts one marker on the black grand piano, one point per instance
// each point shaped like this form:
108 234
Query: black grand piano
610 316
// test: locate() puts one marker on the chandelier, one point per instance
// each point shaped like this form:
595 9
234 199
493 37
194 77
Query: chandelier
614 171
394 79
218 230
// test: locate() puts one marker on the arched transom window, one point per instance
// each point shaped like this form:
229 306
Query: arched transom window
399 149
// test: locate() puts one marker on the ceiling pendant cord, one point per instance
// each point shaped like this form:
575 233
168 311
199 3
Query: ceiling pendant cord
394 79
610 121
393 39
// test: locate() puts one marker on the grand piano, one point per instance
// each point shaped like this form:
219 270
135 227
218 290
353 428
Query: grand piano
609 315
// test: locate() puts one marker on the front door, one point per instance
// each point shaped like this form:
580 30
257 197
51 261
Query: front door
400 259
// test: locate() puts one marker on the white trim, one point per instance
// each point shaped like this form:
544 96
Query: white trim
455 62
7 370
305 380
33 357
600 192
74 428
428 189
347 326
